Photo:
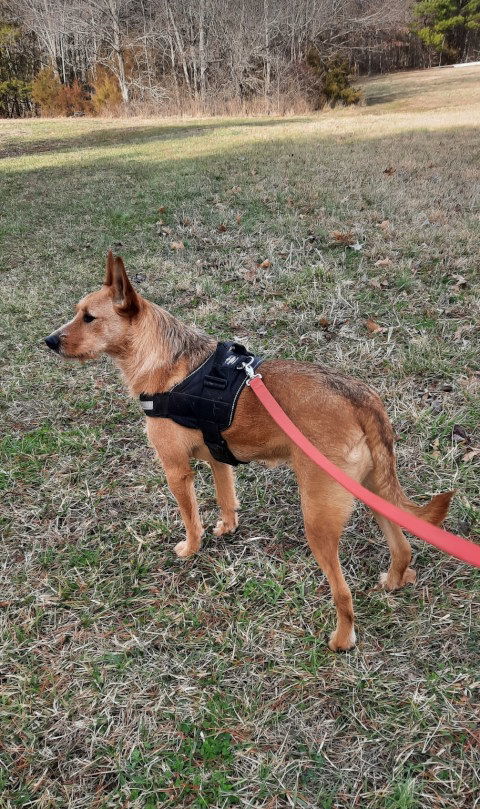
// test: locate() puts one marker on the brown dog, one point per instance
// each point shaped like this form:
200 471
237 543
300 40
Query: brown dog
341 416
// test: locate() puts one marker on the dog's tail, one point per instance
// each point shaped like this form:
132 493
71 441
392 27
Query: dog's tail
383 478
435 511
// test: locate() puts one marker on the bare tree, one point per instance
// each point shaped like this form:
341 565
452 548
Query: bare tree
219 52
109 20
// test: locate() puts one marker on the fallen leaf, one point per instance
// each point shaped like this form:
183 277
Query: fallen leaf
385 225
462 330
162 209
186 222
222 228
375 282
251 273
238 218
324 322
461 281
265 264
435 450
459 433
372 326
383 262
470 455
437 217
343 237
177 245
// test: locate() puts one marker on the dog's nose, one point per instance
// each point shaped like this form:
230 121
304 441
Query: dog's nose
53 342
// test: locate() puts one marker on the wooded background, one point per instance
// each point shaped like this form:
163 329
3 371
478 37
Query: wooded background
216 56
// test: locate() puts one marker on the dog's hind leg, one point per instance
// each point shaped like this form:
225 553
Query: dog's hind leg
326 508
224 479
399 573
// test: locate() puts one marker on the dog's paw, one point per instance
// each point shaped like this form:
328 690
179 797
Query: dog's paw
226 526
342 643
389 582
185 549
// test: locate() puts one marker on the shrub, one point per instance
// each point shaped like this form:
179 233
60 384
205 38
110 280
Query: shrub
55 98
331 82
106 96
336 82
47 92
75 100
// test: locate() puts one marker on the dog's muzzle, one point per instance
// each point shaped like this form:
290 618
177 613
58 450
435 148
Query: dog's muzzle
53 342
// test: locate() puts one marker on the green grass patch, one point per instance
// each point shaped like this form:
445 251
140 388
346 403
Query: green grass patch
132 678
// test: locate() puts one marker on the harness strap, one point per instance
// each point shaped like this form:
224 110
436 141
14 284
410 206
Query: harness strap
155 405
206 399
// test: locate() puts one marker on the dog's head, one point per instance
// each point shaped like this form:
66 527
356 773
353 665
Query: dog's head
102 320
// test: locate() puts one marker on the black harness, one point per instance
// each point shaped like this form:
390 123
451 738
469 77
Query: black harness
206 399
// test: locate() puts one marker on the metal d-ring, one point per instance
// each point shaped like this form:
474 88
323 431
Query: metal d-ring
247 367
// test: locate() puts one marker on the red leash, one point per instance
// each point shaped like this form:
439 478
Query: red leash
450 543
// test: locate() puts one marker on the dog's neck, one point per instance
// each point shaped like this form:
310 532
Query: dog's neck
161 351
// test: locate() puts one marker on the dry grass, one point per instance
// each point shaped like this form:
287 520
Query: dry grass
422 90
133 679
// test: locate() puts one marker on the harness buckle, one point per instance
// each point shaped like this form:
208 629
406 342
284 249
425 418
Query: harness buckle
247 367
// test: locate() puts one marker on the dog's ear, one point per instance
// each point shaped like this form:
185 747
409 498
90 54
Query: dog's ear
124 296
109 269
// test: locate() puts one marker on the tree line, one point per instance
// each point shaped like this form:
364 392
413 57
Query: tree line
216 56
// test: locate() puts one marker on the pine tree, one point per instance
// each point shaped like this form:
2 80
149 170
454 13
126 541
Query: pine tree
445 25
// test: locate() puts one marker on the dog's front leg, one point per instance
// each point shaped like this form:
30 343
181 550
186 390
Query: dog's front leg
180 481
224 480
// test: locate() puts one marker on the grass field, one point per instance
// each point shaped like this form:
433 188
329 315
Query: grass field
130 678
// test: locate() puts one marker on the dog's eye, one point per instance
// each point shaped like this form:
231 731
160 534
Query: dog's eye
87 318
